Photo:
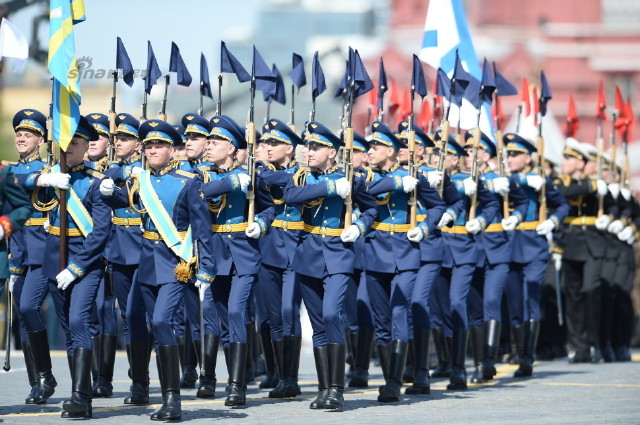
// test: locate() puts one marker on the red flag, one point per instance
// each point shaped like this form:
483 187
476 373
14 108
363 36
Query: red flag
438 110
631 119
524 97
393 102
536 105
602 103
572 124
425 115
498 113
373 101
404 108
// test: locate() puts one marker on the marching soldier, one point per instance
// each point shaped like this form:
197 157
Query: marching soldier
390 278
195 141
175 228
26 282
235 244
325 256
530 253
98 152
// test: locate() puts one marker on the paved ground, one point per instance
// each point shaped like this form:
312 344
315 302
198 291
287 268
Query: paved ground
557 394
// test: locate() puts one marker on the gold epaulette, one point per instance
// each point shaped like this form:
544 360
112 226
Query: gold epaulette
370 174
95 173
186 173
300 176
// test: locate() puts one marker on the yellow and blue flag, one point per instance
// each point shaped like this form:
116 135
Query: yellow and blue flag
63 65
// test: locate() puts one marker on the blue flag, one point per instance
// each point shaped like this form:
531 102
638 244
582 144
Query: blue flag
279 95
297 75
205 85
503 86
176 64
418 82
318 85
382 84
460 81
342 86
545 94
443 86
228 63
361 78
124 63
265 80
488 82
153 71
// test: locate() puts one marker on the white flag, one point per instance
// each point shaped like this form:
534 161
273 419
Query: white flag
13 44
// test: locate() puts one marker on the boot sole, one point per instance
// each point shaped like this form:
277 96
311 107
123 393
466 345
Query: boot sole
417 390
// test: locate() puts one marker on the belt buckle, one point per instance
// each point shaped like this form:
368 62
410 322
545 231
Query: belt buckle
285 225
392 228
125 222
323 231
227 228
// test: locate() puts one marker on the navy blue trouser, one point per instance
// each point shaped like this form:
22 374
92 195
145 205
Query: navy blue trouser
363 304
138 316
161 301
448 305
192 311
523 290
351 305
17 295
231 295
123 277
420 316
324 298
278 295
106 311
34 290
485 294
390 294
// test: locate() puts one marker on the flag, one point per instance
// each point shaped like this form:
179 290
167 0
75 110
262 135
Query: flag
535 103
503 86
264 78
394 101
373 100
342 85
382 84
621 109
425 115
404 109
360 76
228 63
63 66
153 70
630 118
446 36
124 63
482 91
602 103
418 82
13 44
297 75
545 94
572 124
176 64
443 86
279 95
318 85
205 85
524 97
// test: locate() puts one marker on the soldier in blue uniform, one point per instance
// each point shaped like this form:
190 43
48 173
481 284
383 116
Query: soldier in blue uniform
431 255
277 291
175 238
195 141
98 151
449 300
390 278
494 256
26 282
235 243
530 250
74 289
324 257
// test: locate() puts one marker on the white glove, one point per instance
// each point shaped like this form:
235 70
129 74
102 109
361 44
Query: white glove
615 227
350 234
474 226
1 233
59 180
343 188
435 178
625 233
415 235
501 185
557 260
135 170
445 220
601 187
64 279
354 216
202 288
470 186
253 231
46 225
626 193
535 182
545 227
244 180
409 183
631 240
12 281
603 222
510 223
614 188
106 187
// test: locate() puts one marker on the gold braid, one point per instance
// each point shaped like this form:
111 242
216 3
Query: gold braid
134 185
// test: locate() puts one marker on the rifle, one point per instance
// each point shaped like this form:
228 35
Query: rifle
292 118
143 118
163 106
251 167
444 136
542 170
9 323
348 152
612 144
413 170
112 119
219 102
500 158
600 145
201 108
50 156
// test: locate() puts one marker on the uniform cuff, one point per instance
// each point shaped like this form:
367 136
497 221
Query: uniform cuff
483 222
205 276
397 183
453 214
264 227
555 220
331 187
425 229
360 225
16 270
557 250
235 182
76 270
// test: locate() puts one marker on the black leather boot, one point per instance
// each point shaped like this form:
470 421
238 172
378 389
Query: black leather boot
352 347
104 385
337 360
169 365
272 377
31 372
491 340
321 356
278 353
96 342
443 352
188 350
384 355
288 386
79 405
360 378
529 339
421 383
407 375
249 374
42 360
139 366
390 391
207 387
458 378
477 348
237 389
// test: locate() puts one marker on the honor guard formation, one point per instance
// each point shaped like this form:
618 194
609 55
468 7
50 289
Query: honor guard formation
209 234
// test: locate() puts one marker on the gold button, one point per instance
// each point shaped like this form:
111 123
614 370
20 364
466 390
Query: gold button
229 236
156 242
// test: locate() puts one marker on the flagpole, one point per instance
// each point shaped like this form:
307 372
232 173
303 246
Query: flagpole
112 119
251 141
219 103
62 208
292 123
413 198
201 108
163 107
612 145
348 150
600 145
500 153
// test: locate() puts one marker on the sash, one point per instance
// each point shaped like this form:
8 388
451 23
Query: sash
78 212
183 248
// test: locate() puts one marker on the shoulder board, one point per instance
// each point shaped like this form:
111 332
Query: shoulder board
185 174
204 168
271 166
299 177
95 173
